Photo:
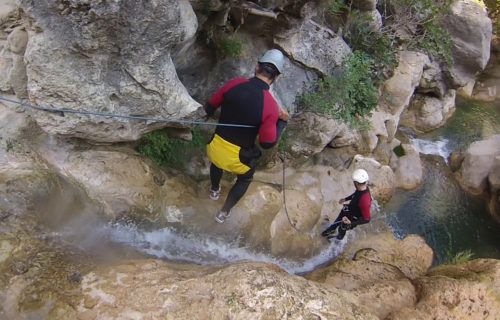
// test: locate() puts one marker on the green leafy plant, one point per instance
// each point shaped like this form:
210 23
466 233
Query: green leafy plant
349 95
231 47
337 7
170 152
378 45
422 20
460 257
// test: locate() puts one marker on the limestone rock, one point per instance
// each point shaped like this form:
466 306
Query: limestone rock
310 133
398 90
411 255
17 77
466 291
17 40
119 180
427 113
240 291
382 286
478 162
382 178
314 46
7 8
108 57
471 31
396 94
409 171
432 80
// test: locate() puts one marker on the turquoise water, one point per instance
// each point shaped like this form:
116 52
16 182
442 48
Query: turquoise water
449 219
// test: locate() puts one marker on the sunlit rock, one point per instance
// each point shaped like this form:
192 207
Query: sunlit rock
471 31
467 290
107 57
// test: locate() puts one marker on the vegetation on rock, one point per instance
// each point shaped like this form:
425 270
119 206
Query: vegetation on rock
168 151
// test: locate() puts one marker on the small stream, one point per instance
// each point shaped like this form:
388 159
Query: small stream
448 218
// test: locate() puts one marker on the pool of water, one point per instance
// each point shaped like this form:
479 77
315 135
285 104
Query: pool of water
448 218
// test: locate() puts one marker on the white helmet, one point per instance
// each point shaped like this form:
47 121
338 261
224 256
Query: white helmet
274 57
360 176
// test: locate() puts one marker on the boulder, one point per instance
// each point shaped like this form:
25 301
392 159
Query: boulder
408 171
427 113
310 133
107 57
477 164
465 291
313 46
470 30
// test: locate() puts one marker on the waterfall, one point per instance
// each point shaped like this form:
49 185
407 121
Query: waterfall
438 148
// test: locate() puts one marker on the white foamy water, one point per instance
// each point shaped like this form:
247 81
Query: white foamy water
438 148
167 244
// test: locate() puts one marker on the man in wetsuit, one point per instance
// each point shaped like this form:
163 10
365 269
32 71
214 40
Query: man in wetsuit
357 211
244 102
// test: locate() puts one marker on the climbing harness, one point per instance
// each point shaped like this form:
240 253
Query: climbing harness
62 111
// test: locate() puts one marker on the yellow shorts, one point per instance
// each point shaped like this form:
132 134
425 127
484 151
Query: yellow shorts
226 155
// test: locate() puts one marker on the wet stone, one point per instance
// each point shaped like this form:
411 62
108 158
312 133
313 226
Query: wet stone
75 277
19 267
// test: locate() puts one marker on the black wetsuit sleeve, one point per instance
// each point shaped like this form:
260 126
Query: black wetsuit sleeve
349 197
209 109
280 127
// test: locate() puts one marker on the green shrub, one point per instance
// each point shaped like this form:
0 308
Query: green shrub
379 46
337 7
170 152
231 47
349 95
460 257
427 34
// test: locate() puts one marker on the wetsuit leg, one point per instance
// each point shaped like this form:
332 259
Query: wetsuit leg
215 176
334 225
238 190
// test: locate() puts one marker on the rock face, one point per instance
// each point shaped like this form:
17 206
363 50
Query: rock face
396 94
470 30
427 113
12 66
108 57
240 291
376 275
465 291
314 46
310 133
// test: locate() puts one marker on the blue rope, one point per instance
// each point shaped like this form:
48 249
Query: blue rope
112 115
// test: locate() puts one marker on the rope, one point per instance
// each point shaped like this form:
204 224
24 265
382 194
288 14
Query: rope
282 158
62 111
